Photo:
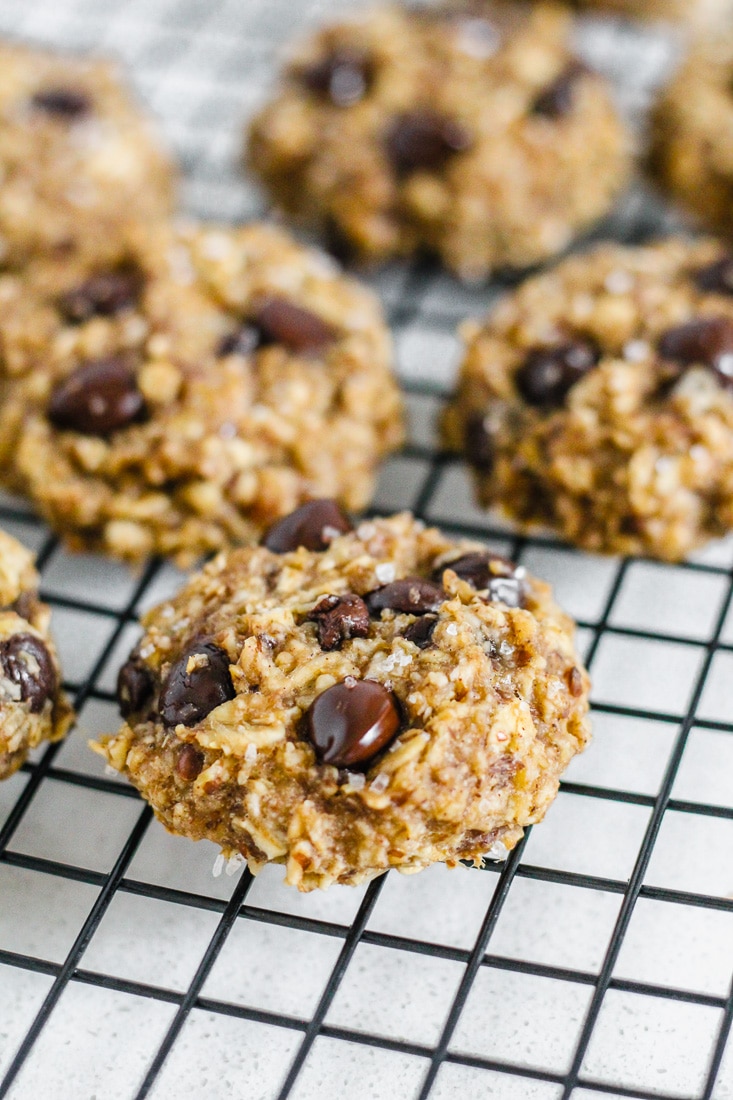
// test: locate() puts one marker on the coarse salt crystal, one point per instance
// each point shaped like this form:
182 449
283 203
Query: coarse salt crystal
234 864
328 534
218 867
356 781
350 681
636 351
380 783
452 629
385 572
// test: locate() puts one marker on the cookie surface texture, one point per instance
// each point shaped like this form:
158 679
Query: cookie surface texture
597 400
33 707
183 398
393 699
481 139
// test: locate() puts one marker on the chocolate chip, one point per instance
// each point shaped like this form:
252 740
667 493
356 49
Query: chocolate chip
283 322
707 341
547 374
339 618
351 722
25 605
501 579
98 398
314 525
557 99
135 687
189 763
26 662
64 103
421 631
344 76
242 341
424 140
197 683
413 595
103 295
716 278
478 443
574 679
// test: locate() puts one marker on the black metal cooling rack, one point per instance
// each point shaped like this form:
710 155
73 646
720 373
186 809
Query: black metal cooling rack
203 64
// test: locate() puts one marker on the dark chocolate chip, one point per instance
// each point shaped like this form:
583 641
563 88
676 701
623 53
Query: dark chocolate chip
351 722
424 140
487 572
421 631
339 618
25 605
65 103
707 341
98 398
314 525
547 374
189 694
343 76
135 687
283 322
26 662
189 763
242 341
716 278
103 295
574 679
557 99
413 595
478 443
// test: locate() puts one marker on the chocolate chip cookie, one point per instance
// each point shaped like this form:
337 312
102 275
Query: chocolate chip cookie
691 154
33 707
77 158
597 400
183 398
480 138
345 701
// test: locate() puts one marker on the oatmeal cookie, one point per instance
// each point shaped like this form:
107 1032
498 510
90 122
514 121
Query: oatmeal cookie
345 701
702 14
598 399
33 707
692 133
77 158
480 139
184 398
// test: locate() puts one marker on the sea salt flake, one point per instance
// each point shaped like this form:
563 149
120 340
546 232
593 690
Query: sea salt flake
218 867
385 572
452 629
380 783
355 781
234 864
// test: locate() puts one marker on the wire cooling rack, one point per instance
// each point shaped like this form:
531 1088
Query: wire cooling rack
596 961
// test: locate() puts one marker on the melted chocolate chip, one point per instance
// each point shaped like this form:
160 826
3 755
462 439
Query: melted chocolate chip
25 605
557 99
548 374
314 525
478 444
64 103
339 618
343 76
413 595
424 140
351 722
574 680
26 662
98 398
190 693
716 278
487 572
135 687
283 322
103 295
189 763
707 341
242 341
421 631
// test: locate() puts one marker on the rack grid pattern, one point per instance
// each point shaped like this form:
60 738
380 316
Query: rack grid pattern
598 960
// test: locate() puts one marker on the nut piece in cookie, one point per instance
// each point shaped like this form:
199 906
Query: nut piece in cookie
385 697
598 400
33 707
471 132
189 392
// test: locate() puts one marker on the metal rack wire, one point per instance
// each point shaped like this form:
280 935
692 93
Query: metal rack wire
596 961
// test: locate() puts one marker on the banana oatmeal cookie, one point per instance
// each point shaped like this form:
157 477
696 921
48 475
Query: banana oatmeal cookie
345 701
184 397
33 707
598 399
692 133
482 139
77 158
